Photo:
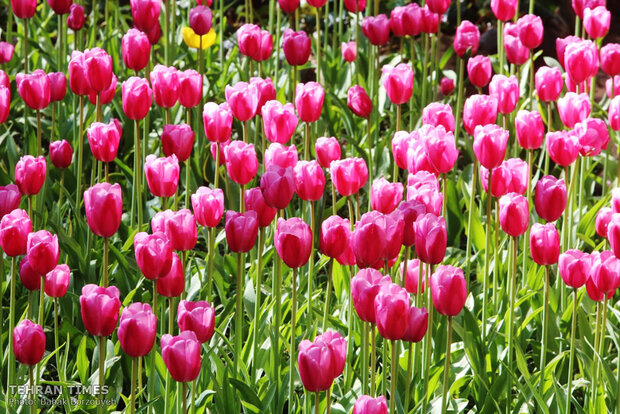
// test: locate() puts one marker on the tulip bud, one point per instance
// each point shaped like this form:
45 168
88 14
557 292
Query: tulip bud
103 203
279 155
490 145
446 86
42 251
296 47
385 196
288 6
516 52
136 49
172 284
200 20
217 121
398 83
24 9
376 29
99 308
436 114
613 233
479 110
327 150
348 175
103 140
412 274
28 339
76 17
545 244
365 404
241 162
198 317
504 10
430 238
6 52
61 153
550 198
255 201
57 281
549 83
349 51
467 38
596 21
293 241
573 108
581 60
181 354
78 78
5 103
334 236
605 271
513 214
241 230
266 92
563 147
208 206
593 136
530 30
530 129
162 175
423 187
510 177
30 278
98 69
279 121
355 6
479 70
440 148
309 101
179 227
137 329
449 290
603 217
309 180
365 286
34 89
278 186
614 113
574 267
10 198
153 254
359 102
145 13
392 311
58 86
430 20
243 100
137 98
14 230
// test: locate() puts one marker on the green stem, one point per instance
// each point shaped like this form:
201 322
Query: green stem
33 408
26 59
459 99
427 341
318 45
184 398
259 277
12 305
595 357
217 166
364 367
30 304
171 316
500 46
238 314
511 305
187 183
277 293
573 331
292 351
311 266
408 376
393 378
327 292
42 301
138 172
307 141
470 217
543 347
487 252
102 341
446 369
210 265
532 90
105 261
373 361
134 369
317 402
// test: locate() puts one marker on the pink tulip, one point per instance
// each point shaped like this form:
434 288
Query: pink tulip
296 47
446 86
613 233
545 244
510 177
254 201
78 79
348 51
550 198
376 29
103 140
438 6
30 278
279 121
430 238
99 308
479 110
136 49
593 136
392 311
208 205
57 281
98 69
15 227
75 19
288 6
549 83
10 199
335 235
423 187
190 88
580 5
530 129
327 150
6 52
153 254
172 284
348 175
28 339
198 317
106 95
573 108
429 20
162 175
321 361
137 98
179 227
506 91
603 217
355 6
385 196
34 89
574 267
241 230
278 186
24 9
516 52
165 83
309 101
610 59
479 70
514 214
365 404
467 38
281 156
449 290
181 354
217 121
137 329
200 19
30 174
410 210
293 241
398 83
309 180
243 100
359 102
581 60
436 114
103 204
241 162
563 147
504 10
177 140
58 86
254 42
412 274
615 200
596 21
155 33
490 145
605 271
440 148
5 103
614 113
61 153
364 288
530 30
145 13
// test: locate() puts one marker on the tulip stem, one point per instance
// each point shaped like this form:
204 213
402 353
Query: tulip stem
470 218
327 293
184 397
487 251
38 132
25 45
56 341
428 338
210 265
532 90
134 369
543 347
187 183
138 172
500 45
333 199
318 45
317 402
42 301
216 177
33 408
311 271
571 351
598 344
259 282
307 141
364 366
238 314
80 144
101 372
511 305
373 360
171 315
594 358
11 369
393 379
424 69
106 249
277 289
395 172
292 353
446 369
408 376
30 304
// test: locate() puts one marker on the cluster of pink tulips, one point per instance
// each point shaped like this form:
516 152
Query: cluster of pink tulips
277 188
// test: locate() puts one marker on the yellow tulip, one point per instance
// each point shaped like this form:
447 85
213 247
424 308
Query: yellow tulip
192 40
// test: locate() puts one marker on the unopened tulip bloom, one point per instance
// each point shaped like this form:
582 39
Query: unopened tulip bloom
593 136
436 114
510 177
349 51
615 200
241 230
181 354
316 362
6 52
398 83
30 174
549 83
155 34
614 113
516 52
446 86
98 69
296 47
198 317
309 101
281 156
10 198
429 20
190 88
61 153
179 227
347 258
266 91
410 211
24 9
137 98
359 102
28 342
288 6
242 99
449 290
514 214
425 191
406 20
30 278
574 267
217 121
440 148
137 329
530 129
431 238
34 89
103 140
309 180
580 5
605 270
57 281
145 13
5 103
249 39
208 205
412 275
479 110
573 108
349 175
563 147
365 404
603 217
279 121
78 79
278 186
504 10
153 254
479 70
581 60
58 86
255 201
613 233
162 175
545 244
392 311
490 145
335 235
172 284
177 140
136 49
165 83
103 204
327 150
200 19
355 6
76 17
241 162
99 308
365 286
385 196
369 239
14 230
610 59
530 30
293 241
596 21
550 198
376 29
467 38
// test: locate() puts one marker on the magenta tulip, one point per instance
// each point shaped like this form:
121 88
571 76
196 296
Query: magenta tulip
137 98
241 162
550 198
563 147
15 227
28 341
309 180
359 102
448 289
430 238
398 83
241 230
181 354
208 205
198 317
385 196
279 121
99 308
137 329
545 244
376 29
103 203
530 129
296 47
490 145
514 214
479 70
217 121
309 101
467 38
30 174
57 281
103 140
